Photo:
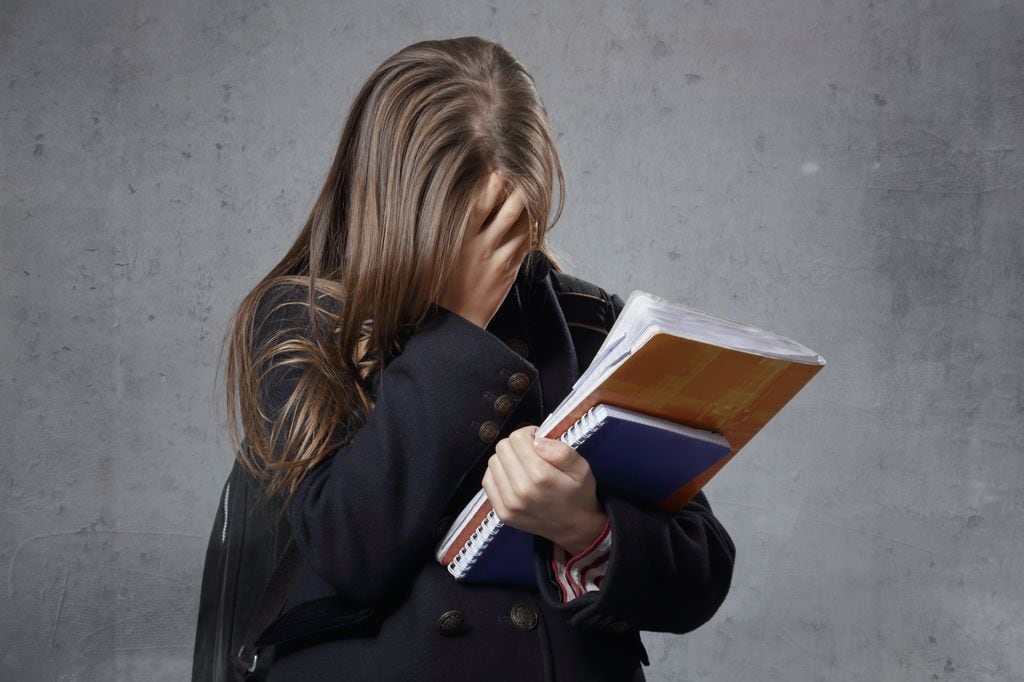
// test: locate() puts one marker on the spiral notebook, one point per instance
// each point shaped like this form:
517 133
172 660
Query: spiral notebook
632 455
660 360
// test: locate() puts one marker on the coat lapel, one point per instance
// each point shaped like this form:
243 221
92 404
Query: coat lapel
552 350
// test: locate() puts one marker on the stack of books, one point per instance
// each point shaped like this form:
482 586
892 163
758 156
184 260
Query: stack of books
670 397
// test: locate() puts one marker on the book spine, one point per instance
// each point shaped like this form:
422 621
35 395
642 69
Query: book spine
463 561
476 544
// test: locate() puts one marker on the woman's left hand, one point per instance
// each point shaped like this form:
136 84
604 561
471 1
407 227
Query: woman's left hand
547 490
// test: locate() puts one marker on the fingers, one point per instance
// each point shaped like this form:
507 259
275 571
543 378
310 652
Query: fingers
529 429
540 467
563 457
508 233
486 201
519 474
518 232
497 486
506 220
526 489
516 244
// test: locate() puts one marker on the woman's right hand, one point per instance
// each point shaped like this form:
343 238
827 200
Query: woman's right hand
490 255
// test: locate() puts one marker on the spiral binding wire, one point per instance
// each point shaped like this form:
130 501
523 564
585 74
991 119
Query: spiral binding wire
470 552
487 530
582 429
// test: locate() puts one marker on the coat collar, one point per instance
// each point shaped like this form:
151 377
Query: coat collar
544 325
552 350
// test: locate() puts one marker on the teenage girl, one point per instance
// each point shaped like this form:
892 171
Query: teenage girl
402 353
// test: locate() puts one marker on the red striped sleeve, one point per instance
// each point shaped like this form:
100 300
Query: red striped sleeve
583 572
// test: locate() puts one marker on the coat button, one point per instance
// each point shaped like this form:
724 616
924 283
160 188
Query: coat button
503 405
518 382
524 617
519 346
451 622
488 431
618 627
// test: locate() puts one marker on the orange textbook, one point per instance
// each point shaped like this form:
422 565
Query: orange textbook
669 362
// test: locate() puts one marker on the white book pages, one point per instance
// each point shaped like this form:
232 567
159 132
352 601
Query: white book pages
645 315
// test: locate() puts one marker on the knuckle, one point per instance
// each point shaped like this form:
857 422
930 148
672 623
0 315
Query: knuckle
538 476
520 435
526 430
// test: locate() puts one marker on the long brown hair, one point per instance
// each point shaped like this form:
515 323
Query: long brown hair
422 136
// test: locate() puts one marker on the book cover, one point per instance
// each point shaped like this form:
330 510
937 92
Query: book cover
670 362
632 455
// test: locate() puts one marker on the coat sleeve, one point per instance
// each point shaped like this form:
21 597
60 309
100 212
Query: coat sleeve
363 518
667 572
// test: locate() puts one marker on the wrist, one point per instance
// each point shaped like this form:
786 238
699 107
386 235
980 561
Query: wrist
585 533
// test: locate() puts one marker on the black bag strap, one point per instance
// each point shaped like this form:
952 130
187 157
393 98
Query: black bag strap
269 626
587 308
270 604
589 313
584 304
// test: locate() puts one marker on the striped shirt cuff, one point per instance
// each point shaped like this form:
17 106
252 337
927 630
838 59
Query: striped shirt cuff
583 572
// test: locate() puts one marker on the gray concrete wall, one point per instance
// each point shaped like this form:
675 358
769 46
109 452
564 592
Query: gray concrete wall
849 174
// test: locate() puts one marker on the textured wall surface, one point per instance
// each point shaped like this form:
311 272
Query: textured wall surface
848 174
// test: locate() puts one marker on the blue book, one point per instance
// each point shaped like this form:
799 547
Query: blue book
632 455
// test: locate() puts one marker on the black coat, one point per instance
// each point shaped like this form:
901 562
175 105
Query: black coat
366 521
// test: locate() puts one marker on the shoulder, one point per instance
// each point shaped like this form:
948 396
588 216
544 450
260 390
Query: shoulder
278 305
538 268
581 297
295 290
567 284
284 306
